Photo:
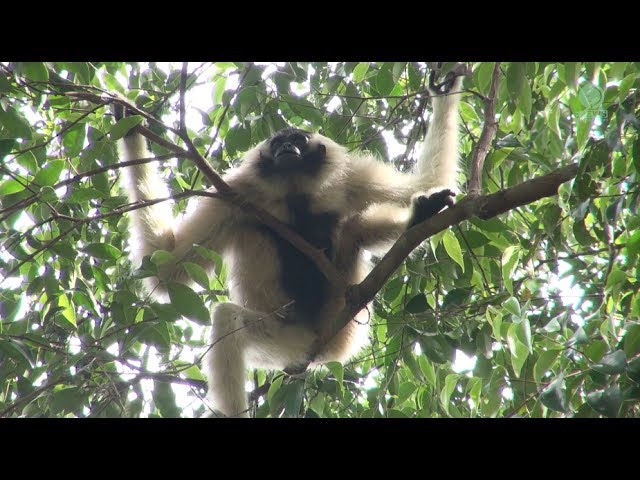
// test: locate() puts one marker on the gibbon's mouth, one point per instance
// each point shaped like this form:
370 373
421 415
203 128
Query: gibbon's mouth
287 156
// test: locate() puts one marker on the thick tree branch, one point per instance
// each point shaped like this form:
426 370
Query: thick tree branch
483 206
488 132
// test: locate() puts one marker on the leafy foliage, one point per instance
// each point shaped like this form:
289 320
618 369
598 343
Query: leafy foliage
543 300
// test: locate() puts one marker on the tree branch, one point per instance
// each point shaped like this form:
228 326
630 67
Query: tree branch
488 132
483 206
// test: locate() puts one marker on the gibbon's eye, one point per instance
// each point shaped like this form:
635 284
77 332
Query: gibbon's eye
276 143
298 140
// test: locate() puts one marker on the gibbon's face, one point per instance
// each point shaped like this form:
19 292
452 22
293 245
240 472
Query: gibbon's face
292 151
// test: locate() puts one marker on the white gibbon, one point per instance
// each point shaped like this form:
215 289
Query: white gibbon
338 201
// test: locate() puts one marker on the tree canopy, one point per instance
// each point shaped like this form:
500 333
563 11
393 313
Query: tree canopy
534 312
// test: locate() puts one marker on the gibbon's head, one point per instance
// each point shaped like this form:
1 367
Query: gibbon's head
294 153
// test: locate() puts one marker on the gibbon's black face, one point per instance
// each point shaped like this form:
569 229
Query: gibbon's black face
290 152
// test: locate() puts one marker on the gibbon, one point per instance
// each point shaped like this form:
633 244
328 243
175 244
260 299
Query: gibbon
340 202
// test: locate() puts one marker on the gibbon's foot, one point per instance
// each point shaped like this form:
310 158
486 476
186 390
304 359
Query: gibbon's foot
444 87
425 207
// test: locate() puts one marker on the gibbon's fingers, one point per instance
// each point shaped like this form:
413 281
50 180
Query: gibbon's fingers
425 207
446 86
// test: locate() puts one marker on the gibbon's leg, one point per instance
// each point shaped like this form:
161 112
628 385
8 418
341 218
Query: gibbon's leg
243 338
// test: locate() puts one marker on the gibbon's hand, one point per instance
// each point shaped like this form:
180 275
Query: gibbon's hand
425 207
444 87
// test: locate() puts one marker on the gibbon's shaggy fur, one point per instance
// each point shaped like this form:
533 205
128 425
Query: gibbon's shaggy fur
341 202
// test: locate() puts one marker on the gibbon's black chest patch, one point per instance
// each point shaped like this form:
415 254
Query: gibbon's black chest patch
301 279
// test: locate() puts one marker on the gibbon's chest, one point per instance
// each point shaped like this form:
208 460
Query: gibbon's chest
299 277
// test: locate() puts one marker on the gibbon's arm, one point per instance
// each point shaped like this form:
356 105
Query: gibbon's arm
437 163
380 225
370 181
375 229
372 185
155 228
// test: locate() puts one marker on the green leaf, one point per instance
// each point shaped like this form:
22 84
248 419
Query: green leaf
452 247
68 310
612 364
633 370
6 146
483 75
197 274
36 71
102 250
512 306
360 71
510 259
49 174
571 73
631 340
384 80
519 350
524 105
193 373
455 297
633 244
274 388
10 186
337 370
515 80
427 369
122 126
626 84
306 110
616 277
545 360
436 348
66 399
17 351
48 194
606 402
495 320
247 100
554 396
417 304
165 399
188 303
165 312
73 139
238 139
162 257
317 404
293 398
590 96
578 338
15 124
219 89
450 383
85 194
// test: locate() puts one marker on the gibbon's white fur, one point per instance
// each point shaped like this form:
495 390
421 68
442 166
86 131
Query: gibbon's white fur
350 202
